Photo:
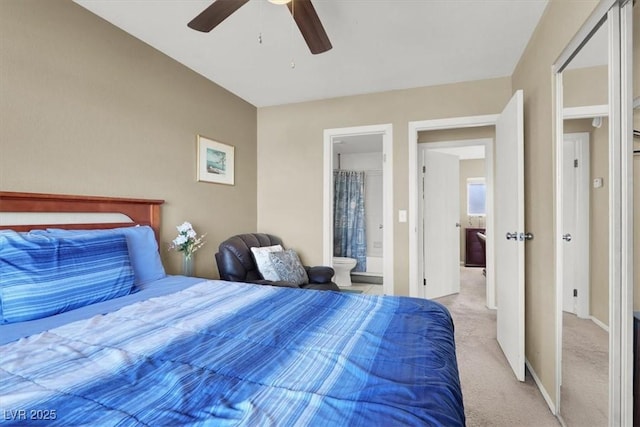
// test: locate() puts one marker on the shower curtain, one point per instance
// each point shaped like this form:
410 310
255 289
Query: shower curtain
349 237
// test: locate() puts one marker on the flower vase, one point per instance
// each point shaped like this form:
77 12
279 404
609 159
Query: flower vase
187 265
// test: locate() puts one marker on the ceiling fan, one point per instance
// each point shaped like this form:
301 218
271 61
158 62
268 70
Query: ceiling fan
304 14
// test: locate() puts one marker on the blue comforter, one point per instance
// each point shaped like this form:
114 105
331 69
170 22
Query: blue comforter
221 353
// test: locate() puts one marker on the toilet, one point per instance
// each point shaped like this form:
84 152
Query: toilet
343 267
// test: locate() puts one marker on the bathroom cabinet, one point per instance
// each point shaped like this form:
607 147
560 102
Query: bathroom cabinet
474 250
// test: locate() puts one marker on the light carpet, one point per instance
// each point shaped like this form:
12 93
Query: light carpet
584 397
492 394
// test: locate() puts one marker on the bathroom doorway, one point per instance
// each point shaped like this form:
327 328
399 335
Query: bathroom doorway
365 151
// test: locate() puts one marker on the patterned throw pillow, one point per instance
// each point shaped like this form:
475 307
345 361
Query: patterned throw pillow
264 263
288 266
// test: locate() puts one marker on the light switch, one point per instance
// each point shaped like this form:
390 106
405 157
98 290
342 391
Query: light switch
598 182
402 216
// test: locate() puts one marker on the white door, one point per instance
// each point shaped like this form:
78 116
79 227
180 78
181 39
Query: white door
441 201
569 216
575 224
510 233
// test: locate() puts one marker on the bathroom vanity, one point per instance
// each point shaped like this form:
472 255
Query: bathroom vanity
474 248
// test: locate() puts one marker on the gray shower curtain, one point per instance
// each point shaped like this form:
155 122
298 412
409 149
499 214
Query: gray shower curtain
349 237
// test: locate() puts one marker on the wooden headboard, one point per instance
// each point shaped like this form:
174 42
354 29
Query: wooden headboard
140 211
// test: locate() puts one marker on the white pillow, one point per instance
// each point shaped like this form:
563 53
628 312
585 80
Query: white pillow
264 263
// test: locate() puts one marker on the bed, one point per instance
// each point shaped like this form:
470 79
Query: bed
174 350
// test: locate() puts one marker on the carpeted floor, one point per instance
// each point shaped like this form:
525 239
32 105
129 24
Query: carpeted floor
585 373
492 395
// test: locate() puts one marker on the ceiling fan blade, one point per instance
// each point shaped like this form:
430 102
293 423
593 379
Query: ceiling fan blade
215 14
310 26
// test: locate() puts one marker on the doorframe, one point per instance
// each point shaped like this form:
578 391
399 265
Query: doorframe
582 227
414 249
386 130
488 144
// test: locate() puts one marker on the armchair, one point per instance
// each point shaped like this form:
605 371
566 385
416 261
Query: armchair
237 264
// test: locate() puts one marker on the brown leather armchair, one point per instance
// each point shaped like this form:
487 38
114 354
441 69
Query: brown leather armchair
236 263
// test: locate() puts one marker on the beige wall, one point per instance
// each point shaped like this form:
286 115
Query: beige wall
599 223
469 169
558 24
291 142
586 86
87 109
598 215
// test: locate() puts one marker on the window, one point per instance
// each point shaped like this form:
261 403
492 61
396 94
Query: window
476 197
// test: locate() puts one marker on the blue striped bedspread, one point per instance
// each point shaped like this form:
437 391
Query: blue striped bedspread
228 354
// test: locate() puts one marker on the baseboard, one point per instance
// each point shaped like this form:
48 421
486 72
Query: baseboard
543 391
599 323
375 279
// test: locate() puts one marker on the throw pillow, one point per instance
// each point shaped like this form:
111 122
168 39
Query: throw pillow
142 245
288 266
44 275
264 263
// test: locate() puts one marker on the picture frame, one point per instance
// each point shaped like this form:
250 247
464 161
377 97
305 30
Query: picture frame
215 161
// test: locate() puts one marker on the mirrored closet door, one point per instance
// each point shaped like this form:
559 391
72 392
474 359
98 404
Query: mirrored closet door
585 193
594 219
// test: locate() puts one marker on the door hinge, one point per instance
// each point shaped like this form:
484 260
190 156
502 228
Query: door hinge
424 282
575 292
424 169
575 163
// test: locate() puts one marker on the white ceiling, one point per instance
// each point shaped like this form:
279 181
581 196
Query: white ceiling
378 45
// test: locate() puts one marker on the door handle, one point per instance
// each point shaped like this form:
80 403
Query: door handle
458 225
566 237
512 236
526 236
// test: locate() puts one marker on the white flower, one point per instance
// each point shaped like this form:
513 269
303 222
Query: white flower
181 239
187 240
185 227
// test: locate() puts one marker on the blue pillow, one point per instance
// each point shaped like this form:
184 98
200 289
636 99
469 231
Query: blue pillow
143 249
44 275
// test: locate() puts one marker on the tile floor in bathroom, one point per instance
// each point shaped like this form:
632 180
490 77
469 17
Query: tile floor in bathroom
366 288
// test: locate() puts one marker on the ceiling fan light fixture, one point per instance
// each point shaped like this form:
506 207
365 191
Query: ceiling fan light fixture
305 17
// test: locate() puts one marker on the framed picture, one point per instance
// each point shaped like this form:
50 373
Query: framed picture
215 161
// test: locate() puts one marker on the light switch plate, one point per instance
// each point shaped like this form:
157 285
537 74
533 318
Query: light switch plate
402 216
598 182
